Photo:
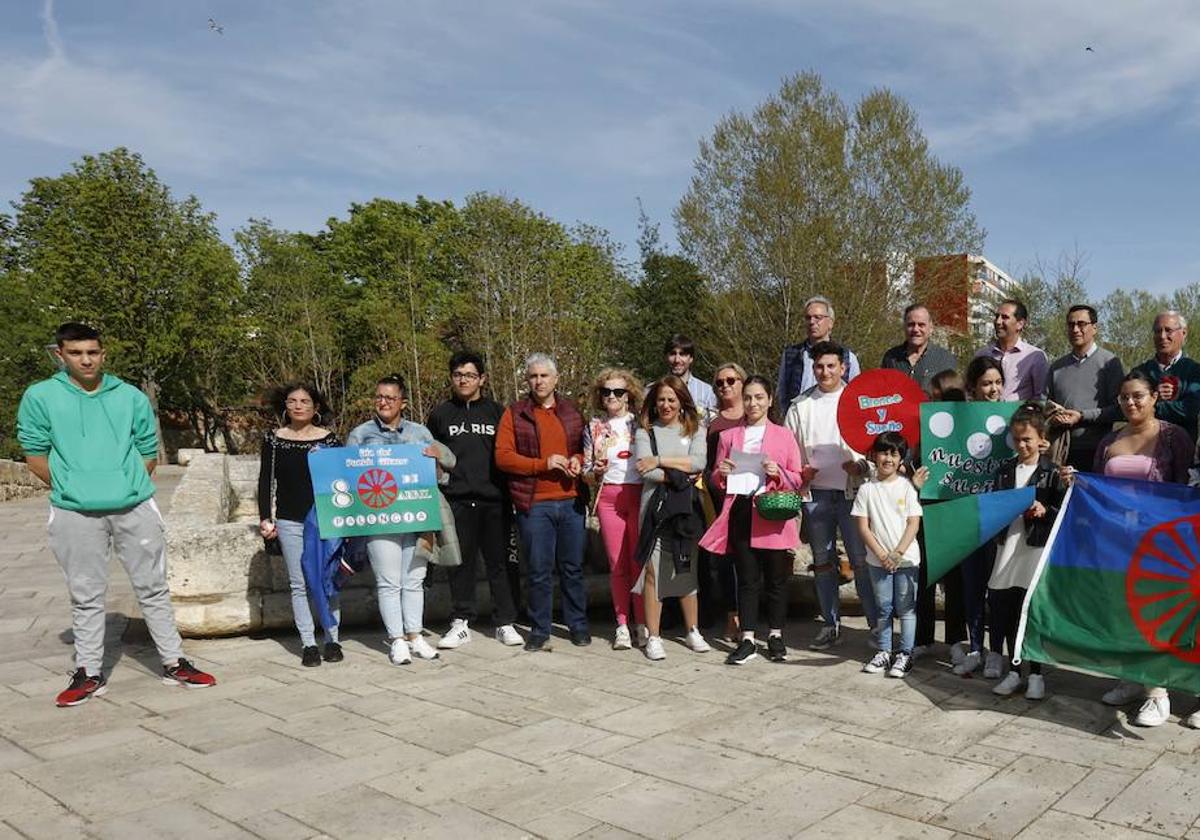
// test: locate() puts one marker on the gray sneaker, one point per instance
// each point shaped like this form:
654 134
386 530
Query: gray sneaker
827 638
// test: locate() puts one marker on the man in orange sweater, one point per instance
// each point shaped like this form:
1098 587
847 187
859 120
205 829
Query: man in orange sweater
539 446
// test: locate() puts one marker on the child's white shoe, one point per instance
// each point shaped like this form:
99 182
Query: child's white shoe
1006 686
970 664
1036 689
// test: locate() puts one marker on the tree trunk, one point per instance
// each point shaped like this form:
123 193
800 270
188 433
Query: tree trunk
150 389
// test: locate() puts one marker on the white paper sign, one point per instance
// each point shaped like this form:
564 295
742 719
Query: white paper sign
747 476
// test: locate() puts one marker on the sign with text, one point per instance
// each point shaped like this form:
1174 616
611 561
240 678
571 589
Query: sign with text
964 444
880 401
377 489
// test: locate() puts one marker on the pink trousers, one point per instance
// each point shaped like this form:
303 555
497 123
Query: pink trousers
618 509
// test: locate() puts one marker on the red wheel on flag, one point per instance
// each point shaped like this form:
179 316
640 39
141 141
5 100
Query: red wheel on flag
1162 588
377 488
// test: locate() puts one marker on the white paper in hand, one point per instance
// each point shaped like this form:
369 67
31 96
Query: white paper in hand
747 476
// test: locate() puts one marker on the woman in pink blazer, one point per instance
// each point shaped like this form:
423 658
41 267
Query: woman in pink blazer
761 548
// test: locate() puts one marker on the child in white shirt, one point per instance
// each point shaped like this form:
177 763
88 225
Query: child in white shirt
888 513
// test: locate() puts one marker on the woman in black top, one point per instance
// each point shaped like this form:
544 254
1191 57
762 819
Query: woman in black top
285 496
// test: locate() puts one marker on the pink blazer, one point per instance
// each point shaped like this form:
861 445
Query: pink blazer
780 446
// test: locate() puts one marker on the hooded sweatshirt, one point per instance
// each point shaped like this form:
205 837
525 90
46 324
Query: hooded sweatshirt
98 441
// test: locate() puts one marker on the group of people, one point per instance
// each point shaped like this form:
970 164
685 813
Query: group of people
678 474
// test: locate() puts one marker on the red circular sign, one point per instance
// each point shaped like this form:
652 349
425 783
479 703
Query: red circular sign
1162 588
880 401
377 488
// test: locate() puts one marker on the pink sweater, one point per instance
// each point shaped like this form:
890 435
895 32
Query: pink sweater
779 445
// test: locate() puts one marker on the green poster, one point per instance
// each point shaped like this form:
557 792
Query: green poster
376 489
963 444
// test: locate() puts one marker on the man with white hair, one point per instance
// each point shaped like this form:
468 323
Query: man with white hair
1176 377
539 444
796 366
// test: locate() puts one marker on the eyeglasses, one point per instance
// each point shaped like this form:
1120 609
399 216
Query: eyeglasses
1079 325
386 398
1140 396
613 392
464 376
816 317
1167 331
727 382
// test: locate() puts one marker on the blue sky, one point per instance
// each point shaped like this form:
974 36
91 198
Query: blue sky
579 108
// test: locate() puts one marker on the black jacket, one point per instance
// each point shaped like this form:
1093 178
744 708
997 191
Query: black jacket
1049 490
469 430
673 518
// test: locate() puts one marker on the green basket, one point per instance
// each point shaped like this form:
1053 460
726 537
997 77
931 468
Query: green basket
779 505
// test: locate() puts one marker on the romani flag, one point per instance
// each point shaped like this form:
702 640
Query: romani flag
1117 590
955 528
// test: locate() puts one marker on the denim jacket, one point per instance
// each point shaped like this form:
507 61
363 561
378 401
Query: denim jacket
374 432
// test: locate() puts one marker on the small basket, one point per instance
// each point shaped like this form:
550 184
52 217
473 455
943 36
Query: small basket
779 505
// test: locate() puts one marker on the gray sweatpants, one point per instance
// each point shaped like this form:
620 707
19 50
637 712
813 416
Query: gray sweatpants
81 543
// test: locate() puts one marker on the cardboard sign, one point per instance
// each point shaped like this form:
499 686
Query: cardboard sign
880 401
964 444
377 489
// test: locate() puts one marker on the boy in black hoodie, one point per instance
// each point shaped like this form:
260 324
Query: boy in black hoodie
466 423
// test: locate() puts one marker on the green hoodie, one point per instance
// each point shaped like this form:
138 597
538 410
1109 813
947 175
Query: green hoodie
98 441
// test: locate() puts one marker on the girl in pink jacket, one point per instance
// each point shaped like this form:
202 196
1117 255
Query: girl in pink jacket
761 548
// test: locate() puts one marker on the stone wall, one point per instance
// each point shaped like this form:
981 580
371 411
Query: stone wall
17 482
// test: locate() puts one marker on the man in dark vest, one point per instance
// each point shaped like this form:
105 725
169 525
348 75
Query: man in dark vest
540 446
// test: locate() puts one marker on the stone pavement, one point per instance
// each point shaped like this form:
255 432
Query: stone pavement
588 743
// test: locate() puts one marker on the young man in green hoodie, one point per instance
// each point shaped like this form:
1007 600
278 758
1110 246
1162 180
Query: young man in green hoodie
92 438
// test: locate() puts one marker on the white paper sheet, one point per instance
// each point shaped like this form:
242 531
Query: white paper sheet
747 475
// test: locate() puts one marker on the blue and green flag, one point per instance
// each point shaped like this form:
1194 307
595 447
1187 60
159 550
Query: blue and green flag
1118 587
955 528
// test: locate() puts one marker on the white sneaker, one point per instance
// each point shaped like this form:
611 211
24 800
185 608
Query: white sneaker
1036 688
994 666
621 639
654 649
399 654
457 636
1010 683
1154 712
643 635
422 649
970 664
879 663
506 634
696 641
958 652
1123 693
1192 721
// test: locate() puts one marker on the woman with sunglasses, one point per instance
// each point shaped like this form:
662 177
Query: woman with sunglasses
727 385
608 462
285 496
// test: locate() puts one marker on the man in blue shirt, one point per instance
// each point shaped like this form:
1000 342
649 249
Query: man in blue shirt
796 366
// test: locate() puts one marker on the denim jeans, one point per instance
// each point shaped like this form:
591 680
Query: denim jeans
291 541
399 583
553 534
826 515
896 596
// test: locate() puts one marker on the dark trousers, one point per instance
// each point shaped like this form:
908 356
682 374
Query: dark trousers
976 570
553 536
1004 609
926 602
483 528
955 613
772 567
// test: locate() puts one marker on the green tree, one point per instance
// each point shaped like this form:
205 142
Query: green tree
803 197
107 243
1048 291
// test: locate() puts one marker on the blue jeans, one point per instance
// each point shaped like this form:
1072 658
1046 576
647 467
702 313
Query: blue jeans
826 515
399 583
976 570
291 541
896 596
553 533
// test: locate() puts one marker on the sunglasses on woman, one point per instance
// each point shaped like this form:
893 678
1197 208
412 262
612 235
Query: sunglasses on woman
613 392
727 382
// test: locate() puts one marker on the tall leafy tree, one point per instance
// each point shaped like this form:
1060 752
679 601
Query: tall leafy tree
107 243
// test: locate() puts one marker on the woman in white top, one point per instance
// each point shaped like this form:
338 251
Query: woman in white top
608 463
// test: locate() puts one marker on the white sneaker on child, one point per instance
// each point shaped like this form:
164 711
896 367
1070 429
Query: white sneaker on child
1006 686
1036 688
879 663
994 666
901 665
970 664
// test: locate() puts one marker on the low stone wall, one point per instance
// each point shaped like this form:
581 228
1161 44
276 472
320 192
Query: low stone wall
17 482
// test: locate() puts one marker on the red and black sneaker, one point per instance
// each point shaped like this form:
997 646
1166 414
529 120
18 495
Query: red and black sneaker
81 689
184 674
